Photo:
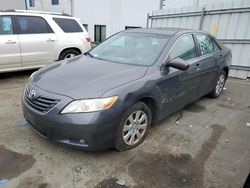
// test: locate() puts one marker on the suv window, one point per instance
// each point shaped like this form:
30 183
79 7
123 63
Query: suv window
68 25
6 27
33 25
184 48
207 44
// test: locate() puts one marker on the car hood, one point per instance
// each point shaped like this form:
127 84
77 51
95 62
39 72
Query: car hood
85 77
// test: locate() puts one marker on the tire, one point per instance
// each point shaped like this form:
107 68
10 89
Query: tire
69 53
130 135
219 85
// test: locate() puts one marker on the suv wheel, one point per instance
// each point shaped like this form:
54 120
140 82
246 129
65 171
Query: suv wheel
133 127
67 54
219 85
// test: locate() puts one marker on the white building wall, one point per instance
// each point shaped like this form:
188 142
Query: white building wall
115 14
12 4
46 5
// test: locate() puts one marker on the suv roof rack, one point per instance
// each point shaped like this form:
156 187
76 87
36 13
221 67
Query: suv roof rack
36 12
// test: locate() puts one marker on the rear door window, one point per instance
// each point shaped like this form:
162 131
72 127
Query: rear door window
68 25
216 47
33 25
207 44
6 27
184 48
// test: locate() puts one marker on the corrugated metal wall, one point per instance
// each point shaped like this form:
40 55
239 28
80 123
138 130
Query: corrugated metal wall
12 4
229 22
182 3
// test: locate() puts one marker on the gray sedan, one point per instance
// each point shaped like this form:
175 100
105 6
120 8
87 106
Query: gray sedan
110 96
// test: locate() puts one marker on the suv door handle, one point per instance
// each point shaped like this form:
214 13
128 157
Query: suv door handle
10 42
220 57
50 40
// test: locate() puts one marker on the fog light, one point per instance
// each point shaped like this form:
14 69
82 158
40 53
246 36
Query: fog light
82 141
77 141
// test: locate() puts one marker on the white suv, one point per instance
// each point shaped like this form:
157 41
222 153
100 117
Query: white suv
32 39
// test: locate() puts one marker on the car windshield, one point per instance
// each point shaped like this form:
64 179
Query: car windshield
131 48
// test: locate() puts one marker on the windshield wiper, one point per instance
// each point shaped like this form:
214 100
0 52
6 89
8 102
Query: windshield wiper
88 54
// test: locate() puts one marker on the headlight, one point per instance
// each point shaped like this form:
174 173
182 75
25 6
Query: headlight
89 105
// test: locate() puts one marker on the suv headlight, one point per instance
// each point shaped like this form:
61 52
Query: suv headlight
89 105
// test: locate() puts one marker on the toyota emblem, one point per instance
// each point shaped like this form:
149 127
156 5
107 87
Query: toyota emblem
32 94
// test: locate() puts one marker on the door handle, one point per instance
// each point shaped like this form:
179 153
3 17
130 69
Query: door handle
10 42
220 57
197 66
50 40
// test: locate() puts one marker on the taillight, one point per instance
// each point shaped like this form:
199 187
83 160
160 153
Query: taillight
88 39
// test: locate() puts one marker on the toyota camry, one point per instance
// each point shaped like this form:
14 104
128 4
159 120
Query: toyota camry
111 96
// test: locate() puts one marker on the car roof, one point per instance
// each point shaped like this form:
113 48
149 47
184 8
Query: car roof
35 13
161 30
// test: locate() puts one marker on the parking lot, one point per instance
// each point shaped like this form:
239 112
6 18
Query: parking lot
207 144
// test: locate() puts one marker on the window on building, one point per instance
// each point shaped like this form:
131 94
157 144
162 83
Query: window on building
131 27
184 48
32 3
33 25
68 25
55 2
100 33
86 27
6 25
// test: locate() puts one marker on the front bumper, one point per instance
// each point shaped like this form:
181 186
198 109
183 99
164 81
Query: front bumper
90 131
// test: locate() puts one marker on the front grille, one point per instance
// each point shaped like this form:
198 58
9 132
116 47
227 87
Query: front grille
41 103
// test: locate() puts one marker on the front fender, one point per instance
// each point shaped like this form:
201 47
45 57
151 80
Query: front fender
133 92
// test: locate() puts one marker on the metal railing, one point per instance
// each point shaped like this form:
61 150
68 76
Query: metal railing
202 13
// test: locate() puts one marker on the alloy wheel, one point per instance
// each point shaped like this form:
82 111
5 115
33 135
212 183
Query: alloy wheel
135 127
220 84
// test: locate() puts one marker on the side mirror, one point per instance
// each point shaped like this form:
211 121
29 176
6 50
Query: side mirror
178 63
